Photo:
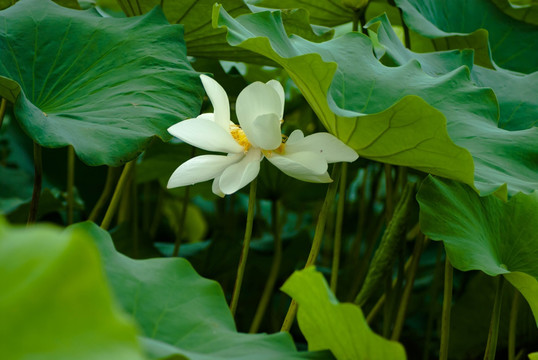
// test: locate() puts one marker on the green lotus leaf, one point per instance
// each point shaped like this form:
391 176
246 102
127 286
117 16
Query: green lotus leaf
526 10
322 12
500 155
398 115
180 312
73 4
516 94
327 324
104 85
366 106
396 54
55 299
484 233
480 25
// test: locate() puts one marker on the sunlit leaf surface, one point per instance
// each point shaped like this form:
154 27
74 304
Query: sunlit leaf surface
56 301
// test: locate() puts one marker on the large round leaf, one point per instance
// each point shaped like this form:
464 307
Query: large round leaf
398 115
55 302
327 324
484 233
500 155
180 312
104 85
477 24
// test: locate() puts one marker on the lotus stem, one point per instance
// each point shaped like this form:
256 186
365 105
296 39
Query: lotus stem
70 184
38 180
113 206
318 237
246 245
447 306
338 228
273 273
493 334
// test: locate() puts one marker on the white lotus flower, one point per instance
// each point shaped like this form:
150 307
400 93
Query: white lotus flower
259 108
307 158
216 132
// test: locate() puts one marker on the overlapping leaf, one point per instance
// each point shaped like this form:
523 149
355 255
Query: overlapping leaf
516 94
55 302
398 115
73 4
484 233
478 24
361 85
500 155
322 12
524 10
179 312
327 324
104 85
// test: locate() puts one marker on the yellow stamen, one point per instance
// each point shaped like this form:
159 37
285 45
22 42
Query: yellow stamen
239 136
279 150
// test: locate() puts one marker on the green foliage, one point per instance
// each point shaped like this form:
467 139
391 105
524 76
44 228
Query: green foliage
441 94
361 86
55 299
327 324
485 233
127 82
178 311
480 25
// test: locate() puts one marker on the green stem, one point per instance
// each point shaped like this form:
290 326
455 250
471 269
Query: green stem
389 197
273 273
246 245
125 206
38 180
3 105
338 228
182 218
122 182
357 241
318 237
356 20
134 210
493 334
433 293
447 306
400 317
109 186
382 299
70 184
512 326
155 222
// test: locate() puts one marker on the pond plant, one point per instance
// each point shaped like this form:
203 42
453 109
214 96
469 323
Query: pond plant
261 179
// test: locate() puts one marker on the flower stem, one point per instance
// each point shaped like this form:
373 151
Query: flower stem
112 207
109 186
318 237
400 317
389 197
447 306
70 183
38 180
273 273
3 105
493 335
246 245
338 228
182 218
512 326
